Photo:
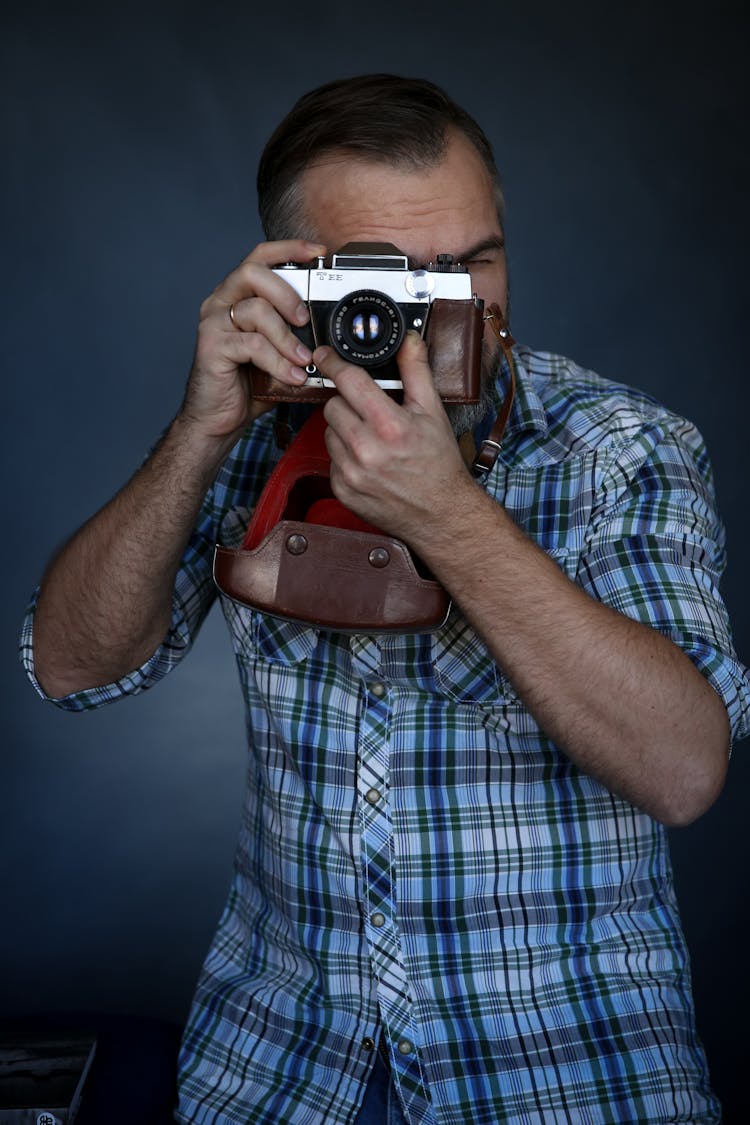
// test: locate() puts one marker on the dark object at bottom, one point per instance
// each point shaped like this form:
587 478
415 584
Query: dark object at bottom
132 1079
42 1077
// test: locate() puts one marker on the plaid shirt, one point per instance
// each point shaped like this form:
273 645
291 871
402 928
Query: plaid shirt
417 859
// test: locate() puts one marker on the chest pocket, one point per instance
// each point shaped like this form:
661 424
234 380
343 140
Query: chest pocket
463 667
270 639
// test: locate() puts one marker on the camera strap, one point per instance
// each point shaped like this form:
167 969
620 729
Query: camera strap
487 454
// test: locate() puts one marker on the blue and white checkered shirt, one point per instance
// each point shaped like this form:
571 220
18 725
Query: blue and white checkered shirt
417 859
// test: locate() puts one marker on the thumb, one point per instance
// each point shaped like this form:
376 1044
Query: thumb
416 375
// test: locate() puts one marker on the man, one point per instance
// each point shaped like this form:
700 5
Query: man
453 844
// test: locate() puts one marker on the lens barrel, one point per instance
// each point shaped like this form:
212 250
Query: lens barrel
366 327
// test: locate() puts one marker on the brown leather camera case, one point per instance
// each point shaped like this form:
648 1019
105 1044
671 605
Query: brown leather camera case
454 344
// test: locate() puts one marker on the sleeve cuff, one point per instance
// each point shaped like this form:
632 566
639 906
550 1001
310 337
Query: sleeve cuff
729 679
163 660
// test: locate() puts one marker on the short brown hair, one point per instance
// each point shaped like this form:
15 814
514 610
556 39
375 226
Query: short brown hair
381 117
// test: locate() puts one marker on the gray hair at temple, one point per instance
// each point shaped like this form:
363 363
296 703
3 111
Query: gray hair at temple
404 122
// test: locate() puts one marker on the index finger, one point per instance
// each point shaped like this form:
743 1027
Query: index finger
248 280
356 386
289 250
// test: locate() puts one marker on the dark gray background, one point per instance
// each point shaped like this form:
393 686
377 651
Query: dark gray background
130 140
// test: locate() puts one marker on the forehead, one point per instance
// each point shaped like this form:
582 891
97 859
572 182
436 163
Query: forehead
443 208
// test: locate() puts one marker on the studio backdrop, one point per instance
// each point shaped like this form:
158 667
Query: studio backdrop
130 141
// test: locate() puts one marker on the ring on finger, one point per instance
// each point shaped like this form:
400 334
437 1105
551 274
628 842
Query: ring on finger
232 318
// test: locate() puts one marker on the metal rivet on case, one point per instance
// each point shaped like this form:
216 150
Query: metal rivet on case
296 544
378 557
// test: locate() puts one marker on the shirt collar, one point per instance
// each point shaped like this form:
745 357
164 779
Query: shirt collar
528 411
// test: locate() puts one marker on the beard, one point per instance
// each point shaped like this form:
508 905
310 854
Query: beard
464 417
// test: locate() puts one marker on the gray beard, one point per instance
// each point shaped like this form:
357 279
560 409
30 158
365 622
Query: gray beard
465 417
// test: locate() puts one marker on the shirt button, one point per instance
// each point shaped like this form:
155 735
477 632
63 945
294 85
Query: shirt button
378 919
378 689
368 1044
373 796
405 1046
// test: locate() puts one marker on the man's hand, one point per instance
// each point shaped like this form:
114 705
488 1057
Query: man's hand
396 465
217 401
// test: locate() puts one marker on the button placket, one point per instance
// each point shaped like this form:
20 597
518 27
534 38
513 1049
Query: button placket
375 816
380 893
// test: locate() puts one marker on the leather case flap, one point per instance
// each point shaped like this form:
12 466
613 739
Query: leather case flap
332 578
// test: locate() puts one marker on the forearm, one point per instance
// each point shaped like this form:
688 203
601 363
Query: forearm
624 702
105 601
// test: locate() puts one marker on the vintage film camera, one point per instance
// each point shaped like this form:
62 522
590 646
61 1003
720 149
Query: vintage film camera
363 299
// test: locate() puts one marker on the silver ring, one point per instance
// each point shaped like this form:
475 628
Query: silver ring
231 317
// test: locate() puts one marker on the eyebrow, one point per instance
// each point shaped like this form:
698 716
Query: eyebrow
494 242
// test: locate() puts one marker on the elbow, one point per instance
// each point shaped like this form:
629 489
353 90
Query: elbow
679 813
697 789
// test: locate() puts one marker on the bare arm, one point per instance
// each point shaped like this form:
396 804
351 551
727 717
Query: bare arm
105 600
622 701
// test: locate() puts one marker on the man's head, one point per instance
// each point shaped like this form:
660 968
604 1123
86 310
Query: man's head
385 159
378 118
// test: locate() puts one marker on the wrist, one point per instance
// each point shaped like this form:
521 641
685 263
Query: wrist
452 519
207 448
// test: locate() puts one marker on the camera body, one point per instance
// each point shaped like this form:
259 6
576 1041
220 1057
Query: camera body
363 299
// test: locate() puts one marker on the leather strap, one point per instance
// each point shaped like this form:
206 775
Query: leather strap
490 447
282 431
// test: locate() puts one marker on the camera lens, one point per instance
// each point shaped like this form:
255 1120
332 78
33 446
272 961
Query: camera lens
366 327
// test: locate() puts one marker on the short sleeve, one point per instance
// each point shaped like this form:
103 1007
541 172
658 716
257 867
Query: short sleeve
655 551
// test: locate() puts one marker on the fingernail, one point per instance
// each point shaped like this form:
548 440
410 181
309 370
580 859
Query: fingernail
303 353
298 375
320 355
301 314
313 246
